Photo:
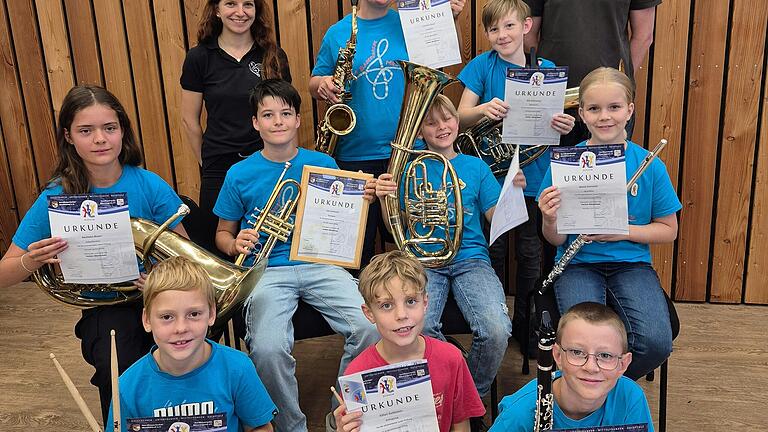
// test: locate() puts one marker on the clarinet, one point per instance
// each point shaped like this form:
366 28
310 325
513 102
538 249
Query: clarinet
545 400
581 240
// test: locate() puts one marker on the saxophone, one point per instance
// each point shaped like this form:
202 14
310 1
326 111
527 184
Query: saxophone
545 400
339 119
574 248
484 141
425 207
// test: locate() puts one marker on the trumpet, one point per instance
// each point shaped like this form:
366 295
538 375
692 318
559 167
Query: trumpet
484 141
339 119
275 224
426 210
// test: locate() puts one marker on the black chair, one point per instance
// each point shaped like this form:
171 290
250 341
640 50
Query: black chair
674 320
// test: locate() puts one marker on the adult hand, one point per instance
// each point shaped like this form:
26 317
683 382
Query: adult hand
495 109
563 123
549 202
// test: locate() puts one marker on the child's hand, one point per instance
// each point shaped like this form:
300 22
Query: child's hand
347 422
495 109
328 91
549 202
519 180
607 237
456 7
139 283
563 123
44 251
245 241
370 190
385 186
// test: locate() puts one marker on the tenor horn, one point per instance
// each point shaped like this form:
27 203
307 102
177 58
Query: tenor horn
423 229
152 242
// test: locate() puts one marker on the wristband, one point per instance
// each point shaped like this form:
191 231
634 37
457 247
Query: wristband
22 263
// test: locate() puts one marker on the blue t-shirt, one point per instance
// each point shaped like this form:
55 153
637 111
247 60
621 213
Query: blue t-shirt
149 197
377 91
624 405
485 75
249 184
655 198
479 192
226 383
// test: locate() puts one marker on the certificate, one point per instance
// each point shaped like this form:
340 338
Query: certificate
195 423
396 397
97 228
430 32
534 96
510 209
639 427
330 220
593 189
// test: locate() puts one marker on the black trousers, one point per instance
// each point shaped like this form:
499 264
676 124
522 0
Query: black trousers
211 180
375 222
130 338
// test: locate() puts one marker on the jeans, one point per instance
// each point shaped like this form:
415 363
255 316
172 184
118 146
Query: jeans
633 291
269 309
374 223
480 297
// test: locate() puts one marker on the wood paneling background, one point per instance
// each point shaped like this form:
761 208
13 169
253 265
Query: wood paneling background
702 87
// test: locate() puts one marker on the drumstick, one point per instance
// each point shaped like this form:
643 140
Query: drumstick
338 398
76 396
115 389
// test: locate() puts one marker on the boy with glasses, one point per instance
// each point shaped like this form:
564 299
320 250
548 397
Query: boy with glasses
591 353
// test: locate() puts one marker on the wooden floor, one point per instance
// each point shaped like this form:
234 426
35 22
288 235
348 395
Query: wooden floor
718 374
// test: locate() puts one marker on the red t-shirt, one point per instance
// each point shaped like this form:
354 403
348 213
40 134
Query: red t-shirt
456 397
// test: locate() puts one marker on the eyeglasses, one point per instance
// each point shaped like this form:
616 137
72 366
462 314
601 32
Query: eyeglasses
605 360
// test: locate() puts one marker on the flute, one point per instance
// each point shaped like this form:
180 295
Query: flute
76 396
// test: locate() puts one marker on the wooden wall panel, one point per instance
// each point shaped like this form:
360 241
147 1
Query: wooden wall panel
323 14
14 128
464 29
193 10
666 106
9 220
50 14
149 94
293 39
745 68
702 125
757 267
114 53
34 85
172 47
641 111
85 48
481 42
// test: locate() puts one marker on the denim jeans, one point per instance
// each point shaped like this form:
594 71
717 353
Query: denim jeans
633 291
480 297
269 309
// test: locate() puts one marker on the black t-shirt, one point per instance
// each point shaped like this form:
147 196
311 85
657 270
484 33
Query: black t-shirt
225 84
586 34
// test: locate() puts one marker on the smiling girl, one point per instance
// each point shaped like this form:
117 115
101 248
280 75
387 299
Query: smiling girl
616 269
97 153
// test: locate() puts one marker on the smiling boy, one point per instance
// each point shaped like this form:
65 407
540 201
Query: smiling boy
590 390
185 374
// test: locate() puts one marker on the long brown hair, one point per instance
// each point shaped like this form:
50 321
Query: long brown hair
261 30
70 170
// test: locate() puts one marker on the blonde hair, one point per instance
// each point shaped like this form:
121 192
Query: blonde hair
178 274
607 75
595 314
383 268
495 10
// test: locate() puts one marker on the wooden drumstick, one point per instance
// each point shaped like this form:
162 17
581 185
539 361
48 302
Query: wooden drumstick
76 396
115 390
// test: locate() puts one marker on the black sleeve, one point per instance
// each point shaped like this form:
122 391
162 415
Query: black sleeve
192 70
643 4
285 71
537 7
